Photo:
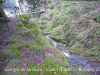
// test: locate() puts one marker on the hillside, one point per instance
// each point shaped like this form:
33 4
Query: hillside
62 40
76 24
28 52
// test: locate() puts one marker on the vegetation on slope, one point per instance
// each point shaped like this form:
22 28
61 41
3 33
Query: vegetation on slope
29 54
77 24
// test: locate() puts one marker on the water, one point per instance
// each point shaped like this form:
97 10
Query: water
77 60
53 42
67 54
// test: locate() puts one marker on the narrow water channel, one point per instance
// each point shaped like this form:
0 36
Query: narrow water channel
77 60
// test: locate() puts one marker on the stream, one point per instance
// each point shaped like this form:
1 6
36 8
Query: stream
78 60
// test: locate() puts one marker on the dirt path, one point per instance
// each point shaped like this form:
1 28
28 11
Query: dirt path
9 29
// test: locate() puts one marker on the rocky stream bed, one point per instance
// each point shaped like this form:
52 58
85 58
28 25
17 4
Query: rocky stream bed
91 65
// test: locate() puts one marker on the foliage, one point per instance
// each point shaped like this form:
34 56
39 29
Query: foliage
34 27
46 67
14 39
15 36
40 42
20 24
30 34
3 17
24 16
3 56
96 18
32 47
15 48
67 23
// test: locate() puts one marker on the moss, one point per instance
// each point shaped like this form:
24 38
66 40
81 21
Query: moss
46 67
40 42
30 34
3 56
20 24
33 27
74 26
32 46
14 39
24 16
15 36
15 48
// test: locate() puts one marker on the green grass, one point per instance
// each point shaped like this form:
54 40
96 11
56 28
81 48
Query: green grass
74 23
30 34
20 24
47 68
40 42
15 48
24 16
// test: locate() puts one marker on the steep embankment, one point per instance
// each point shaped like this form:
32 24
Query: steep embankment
28 52
77 24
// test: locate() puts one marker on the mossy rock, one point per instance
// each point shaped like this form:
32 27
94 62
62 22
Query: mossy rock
13 41
30 34
12 64
3 56
46 67
8 52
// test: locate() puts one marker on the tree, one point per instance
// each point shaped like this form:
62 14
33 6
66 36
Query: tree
3 17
